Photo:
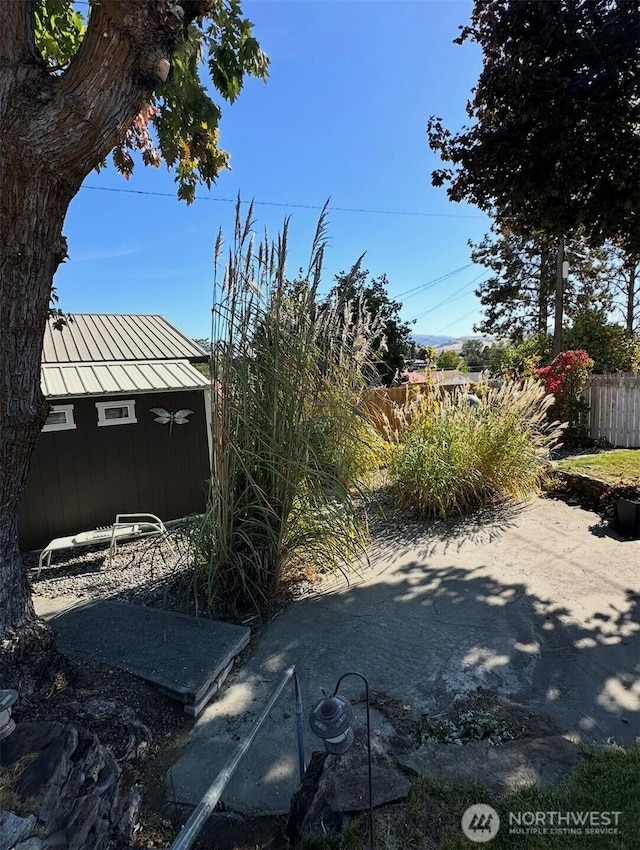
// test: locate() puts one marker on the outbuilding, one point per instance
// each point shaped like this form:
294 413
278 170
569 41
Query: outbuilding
129 427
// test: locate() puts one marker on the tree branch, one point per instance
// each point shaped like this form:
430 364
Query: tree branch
107 82
21 67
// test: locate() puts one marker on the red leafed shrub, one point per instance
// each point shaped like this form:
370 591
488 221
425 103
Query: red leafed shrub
566 379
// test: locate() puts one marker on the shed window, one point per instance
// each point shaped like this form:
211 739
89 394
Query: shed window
116 412
60 418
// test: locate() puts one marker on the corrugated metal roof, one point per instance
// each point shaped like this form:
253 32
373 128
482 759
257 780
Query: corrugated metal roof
73 379
94 337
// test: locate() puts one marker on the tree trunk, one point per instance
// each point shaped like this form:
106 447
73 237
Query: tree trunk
32 210
543 288
54 129
559 299
632 268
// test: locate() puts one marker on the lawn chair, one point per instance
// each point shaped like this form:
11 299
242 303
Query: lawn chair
125 527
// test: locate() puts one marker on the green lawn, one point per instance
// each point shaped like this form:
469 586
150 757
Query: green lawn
621 466
606 781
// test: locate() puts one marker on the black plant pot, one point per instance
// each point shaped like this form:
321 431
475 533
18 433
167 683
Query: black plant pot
629 515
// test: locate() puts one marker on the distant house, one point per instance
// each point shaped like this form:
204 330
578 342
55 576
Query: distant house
447 379
112 442
413 377
451 379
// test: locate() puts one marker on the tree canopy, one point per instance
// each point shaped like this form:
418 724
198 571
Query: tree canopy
472 352
553 142
450 360
611 347
178 122
353 292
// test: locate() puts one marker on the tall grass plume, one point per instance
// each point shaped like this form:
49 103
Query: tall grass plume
290 436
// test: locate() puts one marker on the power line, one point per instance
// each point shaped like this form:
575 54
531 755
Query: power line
424 286
455 321
281 204
449 298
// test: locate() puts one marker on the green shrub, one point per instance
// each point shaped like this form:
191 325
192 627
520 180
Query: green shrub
460 457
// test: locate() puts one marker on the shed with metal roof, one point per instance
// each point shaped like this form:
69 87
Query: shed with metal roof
128 431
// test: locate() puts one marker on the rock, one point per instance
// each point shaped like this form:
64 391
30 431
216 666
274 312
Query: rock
14 828
302 802
30 844
335 786
81 796
116 723
503 767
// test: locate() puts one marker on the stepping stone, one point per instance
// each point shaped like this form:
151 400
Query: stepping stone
185 657
503 767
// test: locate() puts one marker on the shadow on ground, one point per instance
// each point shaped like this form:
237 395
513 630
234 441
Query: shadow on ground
528 604
526 601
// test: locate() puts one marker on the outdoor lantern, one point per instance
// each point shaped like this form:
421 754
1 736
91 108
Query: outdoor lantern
7 724
331 720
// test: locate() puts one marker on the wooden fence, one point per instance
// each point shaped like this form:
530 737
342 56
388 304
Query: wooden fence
614 408
389 409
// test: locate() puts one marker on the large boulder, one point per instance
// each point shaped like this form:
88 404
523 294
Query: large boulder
61 774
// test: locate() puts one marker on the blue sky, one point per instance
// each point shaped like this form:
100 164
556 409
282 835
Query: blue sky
343 115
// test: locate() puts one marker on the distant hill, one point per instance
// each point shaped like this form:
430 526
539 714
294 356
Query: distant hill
448 343
430 339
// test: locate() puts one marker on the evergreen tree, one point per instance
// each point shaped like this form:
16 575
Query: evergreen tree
519 295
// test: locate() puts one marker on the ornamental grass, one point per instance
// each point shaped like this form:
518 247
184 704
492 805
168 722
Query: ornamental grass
291 444
458 457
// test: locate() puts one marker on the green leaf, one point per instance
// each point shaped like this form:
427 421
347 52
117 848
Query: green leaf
58 31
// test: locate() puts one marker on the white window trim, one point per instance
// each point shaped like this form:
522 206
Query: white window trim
69 423
101 407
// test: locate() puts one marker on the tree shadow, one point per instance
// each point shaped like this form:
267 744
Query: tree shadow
423 630
524 602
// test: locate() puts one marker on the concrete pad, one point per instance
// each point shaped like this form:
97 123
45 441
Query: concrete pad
536 604
185 657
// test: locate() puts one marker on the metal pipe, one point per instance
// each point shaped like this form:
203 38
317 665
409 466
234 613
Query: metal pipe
299 726
366 691
205 807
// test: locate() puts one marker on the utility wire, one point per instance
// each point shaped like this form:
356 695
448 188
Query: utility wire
455 321
424 286
449 298
280 204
